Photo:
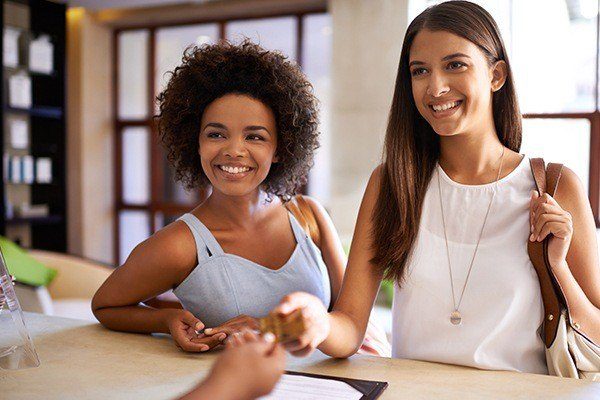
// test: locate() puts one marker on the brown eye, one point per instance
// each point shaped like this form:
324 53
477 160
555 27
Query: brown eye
214 135
254 137
455 65
418 71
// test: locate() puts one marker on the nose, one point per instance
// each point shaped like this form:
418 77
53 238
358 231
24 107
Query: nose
437 85
236 147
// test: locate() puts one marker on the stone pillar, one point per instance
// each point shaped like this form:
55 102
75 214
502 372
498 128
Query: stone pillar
89 137
367 39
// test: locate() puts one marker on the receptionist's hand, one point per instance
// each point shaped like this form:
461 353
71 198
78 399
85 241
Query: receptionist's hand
185 327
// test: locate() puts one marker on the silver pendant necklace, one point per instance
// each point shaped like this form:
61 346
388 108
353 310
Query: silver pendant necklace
455 315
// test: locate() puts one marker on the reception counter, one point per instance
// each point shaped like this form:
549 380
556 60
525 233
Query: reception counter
83 360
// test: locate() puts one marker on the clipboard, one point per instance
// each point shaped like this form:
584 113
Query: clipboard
370 390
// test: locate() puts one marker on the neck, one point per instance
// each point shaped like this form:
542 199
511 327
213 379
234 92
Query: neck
238 211
471 158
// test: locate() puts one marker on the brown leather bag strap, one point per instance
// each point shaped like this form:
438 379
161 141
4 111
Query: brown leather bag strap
305 216
546 180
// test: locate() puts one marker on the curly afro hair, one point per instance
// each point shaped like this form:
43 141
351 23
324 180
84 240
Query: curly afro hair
209 72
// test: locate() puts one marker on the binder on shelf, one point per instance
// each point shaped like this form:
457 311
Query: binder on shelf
19 133
43 170
41 55
19 91
10 53
27 169
6 167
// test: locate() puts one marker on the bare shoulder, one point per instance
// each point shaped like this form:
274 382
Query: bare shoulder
570 193
316 206
172 246
373 187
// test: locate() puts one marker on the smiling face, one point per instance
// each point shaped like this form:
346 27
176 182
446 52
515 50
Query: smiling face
237 144
453 82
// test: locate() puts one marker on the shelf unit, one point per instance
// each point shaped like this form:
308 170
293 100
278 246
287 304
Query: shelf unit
46 125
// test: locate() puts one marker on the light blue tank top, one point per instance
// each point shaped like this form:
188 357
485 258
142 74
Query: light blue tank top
223 286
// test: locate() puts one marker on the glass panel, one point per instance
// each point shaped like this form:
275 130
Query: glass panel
136 165
565 141
554 57
270 33
134 227
316 63
133 74
170 44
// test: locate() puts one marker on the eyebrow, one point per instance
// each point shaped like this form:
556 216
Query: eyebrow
256 128
248 128
446 58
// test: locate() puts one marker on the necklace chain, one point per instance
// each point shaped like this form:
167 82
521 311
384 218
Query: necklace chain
457 306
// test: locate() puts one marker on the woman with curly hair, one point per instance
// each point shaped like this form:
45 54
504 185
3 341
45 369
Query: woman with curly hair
242 123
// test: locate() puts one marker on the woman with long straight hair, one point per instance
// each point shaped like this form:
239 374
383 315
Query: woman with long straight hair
448 213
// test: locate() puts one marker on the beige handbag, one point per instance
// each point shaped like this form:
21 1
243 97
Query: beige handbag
569 353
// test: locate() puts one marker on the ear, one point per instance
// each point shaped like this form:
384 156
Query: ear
499 74
275 159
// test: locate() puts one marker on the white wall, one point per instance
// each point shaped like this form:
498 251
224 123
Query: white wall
367 39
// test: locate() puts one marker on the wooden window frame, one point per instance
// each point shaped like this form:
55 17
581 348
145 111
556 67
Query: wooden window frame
156 204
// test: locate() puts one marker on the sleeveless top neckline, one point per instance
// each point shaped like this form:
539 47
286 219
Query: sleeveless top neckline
502 306
223 286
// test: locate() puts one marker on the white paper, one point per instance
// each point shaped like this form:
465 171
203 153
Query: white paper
43 168
15 169
298 387
41 55
19 91
10 53
19 135
27 169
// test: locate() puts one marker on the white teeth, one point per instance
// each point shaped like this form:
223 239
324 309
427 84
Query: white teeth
443 107
234 170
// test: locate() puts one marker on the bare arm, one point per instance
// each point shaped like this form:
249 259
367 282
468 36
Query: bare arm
153 267
578 273
156 265
341 332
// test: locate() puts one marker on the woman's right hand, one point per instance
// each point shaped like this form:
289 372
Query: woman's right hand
314 317
184 327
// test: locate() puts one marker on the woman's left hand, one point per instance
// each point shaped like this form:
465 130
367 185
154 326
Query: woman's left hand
234 325
547 217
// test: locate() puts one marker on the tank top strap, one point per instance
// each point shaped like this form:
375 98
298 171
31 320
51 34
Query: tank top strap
202 236
299 233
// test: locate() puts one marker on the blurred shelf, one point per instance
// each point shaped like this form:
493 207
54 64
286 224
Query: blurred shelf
44 112
49 219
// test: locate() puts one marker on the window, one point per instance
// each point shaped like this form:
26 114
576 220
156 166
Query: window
555 62
147 196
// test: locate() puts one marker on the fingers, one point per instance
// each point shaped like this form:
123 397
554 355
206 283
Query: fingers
234 325
192 321
550 218
290 303
193 345
208 342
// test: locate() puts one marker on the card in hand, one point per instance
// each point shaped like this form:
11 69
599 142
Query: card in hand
285 328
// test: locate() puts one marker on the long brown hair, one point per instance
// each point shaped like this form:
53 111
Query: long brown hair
411 147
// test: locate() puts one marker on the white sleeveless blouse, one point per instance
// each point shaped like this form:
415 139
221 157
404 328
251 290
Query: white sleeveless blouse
502 306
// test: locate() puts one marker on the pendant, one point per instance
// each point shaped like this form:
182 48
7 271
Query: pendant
455 317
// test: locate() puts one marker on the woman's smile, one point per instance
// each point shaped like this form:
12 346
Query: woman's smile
446 109
233 172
